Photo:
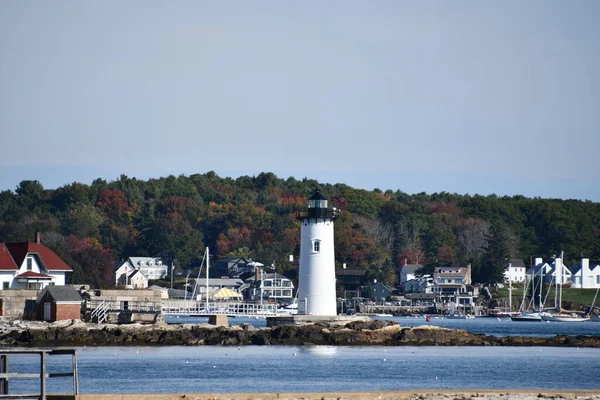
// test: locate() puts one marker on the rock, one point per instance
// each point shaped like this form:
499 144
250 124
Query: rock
364 333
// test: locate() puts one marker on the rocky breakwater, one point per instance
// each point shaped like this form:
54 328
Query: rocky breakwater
360 333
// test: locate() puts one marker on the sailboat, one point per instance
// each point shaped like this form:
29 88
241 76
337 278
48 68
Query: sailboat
530 316
559 315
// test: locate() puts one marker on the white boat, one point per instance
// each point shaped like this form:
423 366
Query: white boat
457 315
527 317
564 318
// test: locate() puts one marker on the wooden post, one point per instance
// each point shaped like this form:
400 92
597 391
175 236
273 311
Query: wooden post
4 369
75 374
43 376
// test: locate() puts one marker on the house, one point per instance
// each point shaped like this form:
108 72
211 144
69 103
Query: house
135 272
350 278
27 265
381 292
408 272
232 267
515 271
423 284
584 276
540 269
274 287
453 285
56 303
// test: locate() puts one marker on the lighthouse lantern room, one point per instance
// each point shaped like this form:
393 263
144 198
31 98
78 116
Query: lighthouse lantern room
316 284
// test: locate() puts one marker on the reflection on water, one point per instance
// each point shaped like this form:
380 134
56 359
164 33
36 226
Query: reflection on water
320 351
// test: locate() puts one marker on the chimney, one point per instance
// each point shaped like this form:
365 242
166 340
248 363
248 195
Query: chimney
585 272
255 274
38 237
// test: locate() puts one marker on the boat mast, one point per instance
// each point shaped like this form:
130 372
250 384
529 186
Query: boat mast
509 288
541 285
207 262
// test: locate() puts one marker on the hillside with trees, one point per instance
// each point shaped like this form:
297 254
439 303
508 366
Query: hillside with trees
92 226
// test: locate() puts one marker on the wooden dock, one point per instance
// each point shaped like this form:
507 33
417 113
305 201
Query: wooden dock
6 376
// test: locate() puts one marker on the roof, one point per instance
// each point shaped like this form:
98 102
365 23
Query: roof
516 263
219 282
139 262
18 251
411 268
351 272
317 196
137 273
31 274
61 293
574 268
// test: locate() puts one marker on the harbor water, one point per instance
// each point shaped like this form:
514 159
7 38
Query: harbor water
276 369
483 325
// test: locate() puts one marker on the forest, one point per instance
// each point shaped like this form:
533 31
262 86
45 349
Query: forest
175 218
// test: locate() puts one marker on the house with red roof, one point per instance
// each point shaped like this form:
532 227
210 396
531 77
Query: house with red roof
27 265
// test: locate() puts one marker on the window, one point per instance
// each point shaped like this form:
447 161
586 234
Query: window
29 263
598 279
316 246
4 285
267 283
287 283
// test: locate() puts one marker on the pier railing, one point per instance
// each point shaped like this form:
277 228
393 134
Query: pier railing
124 305
200 308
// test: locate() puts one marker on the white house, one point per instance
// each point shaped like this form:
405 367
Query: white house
408 272
275 287
26 265
129 273
541 269
515 271
584 276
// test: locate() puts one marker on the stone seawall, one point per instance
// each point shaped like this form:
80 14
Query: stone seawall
385 333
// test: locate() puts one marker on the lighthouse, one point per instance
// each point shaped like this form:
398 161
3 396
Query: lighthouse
316 283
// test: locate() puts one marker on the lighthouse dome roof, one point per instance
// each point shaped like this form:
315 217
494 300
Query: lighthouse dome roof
317 196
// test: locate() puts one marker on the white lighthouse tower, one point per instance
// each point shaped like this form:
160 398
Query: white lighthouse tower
316 283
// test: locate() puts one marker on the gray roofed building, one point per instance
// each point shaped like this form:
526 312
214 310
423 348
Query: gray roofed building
60 293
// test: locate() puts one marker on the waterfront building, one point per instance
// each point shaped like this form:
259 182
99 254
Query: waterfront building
408 272
515 271
316 283
272 287
27 265
135 272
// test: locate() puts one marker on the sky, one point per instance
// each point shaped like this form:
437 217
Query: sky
468 97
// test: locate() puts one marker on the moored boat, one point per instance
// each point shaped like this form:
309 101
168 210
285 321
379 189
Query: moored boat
527 317
564 318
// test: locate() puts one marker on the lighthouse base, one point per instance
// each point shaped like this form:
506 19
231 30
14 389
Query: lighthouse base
313 319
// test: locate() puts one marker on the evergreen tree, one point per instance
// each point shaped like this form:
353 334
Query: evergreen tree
496 253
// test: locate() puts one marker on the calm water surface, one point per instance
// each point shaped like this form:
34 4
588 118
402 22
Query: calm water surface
317 368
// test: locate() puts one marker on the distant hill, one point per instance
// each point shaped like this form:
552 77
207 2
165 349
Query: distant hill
91 226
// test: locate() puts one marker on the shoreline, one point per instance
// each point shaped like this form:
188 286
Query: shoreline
358 333
487 394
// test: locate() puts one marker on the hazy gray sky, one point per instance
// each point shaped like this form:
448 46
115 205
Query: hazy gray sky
459 96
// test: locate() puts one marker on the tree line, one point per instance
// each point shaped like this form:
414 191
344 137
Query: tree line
93 226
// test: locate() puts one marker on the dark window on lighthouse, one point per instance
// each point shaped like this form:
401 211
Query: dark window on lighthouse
316 246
